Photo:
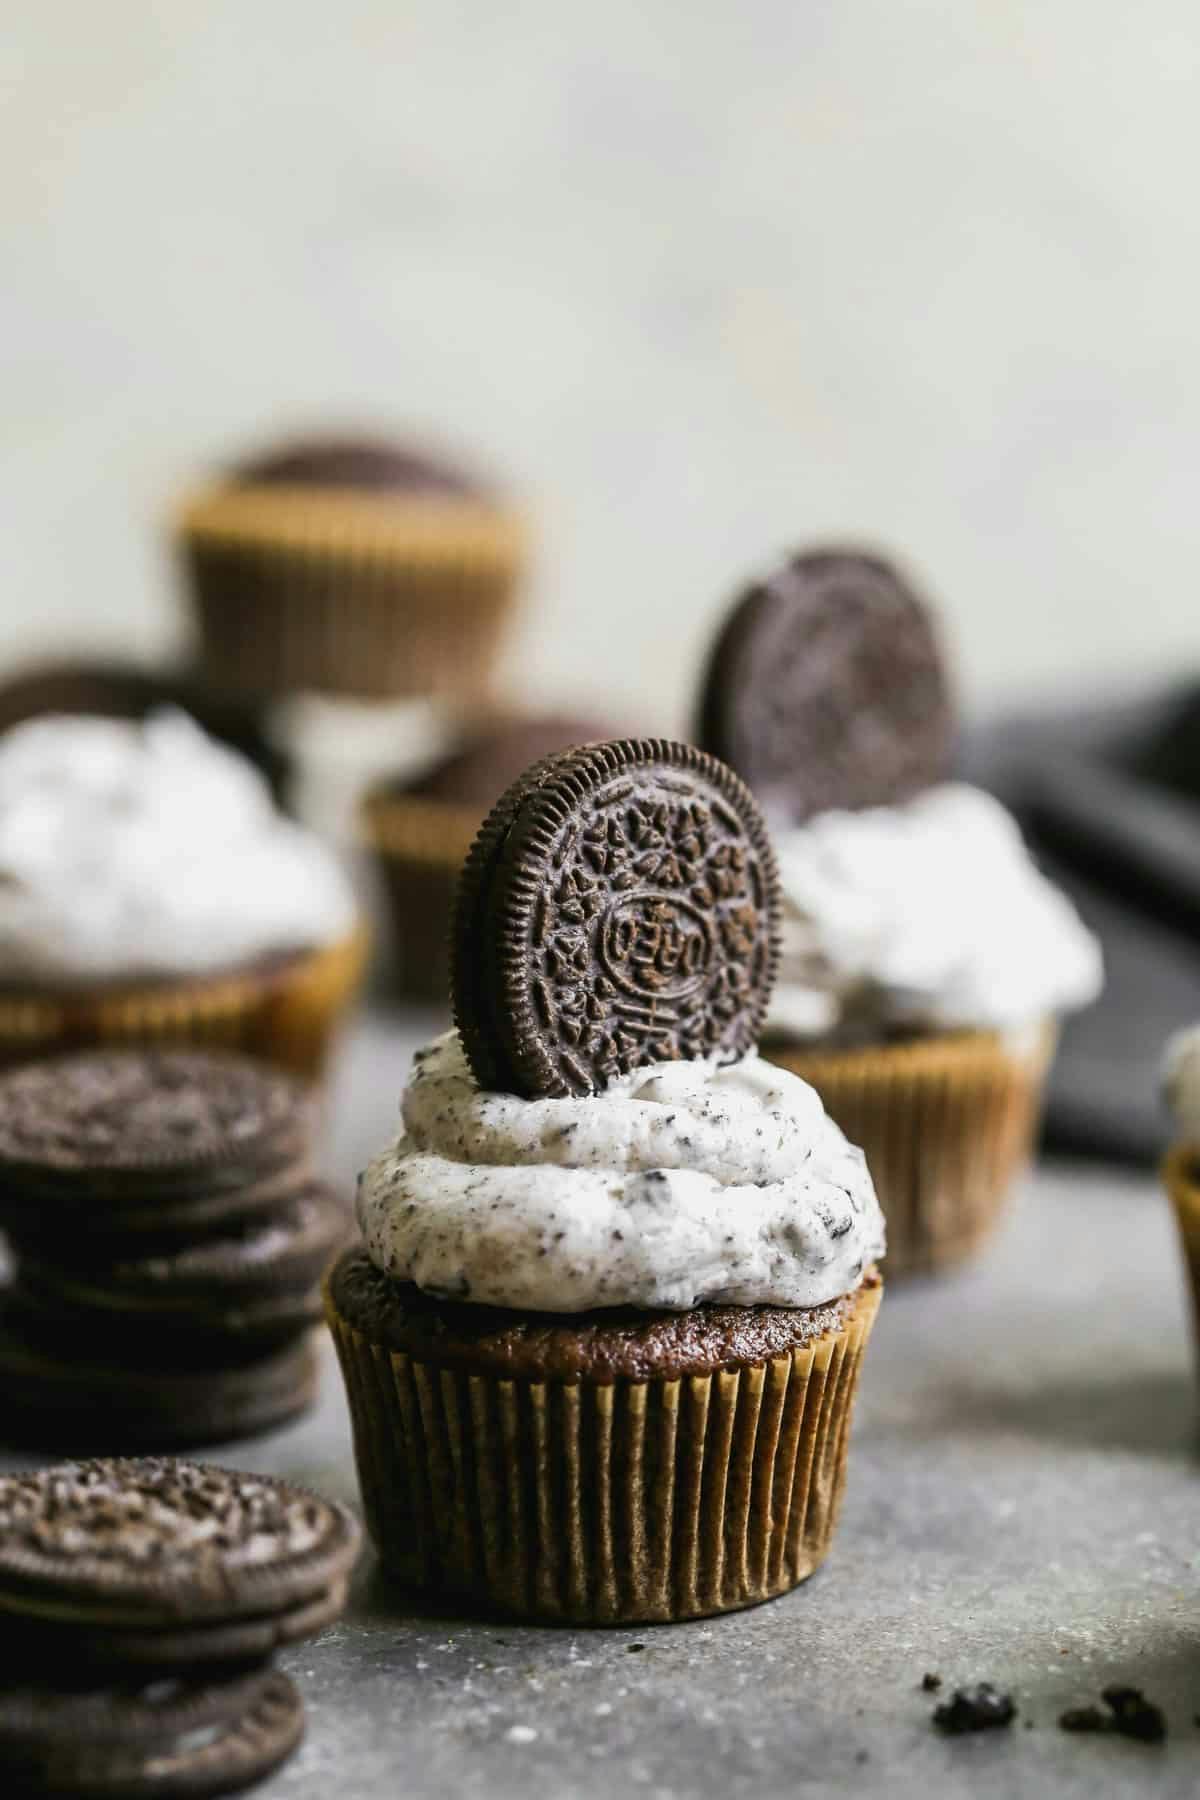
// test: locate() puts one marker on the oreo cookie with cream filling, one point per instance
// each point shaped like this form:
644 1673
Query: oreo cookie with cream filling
67 1386
619 908
249 1284
155 1562
130 1125
826 688
148 1741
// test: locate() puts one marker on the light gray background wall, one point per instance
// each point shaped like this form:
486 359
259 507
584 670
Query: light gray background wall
702 278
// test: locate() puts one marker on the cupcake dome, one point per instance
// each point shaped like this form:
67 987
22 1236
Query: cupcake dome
349 565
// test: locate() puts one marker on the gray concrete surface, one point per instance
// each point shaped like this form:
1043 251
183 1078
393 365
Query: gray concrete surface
1024 1506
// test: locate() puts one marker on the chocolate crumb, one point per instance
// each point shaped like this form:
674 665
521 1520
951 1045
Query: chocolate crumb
981 1708
1129 1715
1083 1718
631 1648
1134 1716
862 1756
930 1683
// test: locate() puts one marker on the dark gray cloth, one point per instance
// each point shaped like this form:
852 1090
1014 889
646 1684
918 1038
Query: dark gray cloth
1109 799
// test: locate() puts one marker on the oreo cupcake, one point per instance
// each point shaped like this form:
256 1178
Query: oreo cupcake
603 1333
350 566
1181 1170
925 958
150 892
420 828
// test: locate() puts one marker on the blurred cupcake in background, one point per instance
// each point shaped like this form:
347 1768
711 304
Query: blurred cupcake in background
925 958
420 828
1181 1170
151 892
350 566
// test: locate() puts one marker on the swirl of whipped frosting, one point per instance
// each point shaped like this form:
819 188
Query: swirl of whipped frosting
131 851
681 1183
929 915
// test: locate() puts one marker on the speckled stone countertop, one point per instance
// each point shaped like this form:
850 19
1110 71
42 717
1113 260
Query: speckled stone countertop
1023 1507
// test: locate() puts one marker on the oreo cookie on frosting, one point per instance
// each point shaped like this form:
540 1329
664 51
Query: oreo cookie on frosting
826 688
619 908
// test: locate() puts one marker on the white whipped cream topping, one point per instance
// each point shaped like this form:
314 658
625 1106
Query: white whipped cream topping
1181 1080
926 915
684 1182
130 851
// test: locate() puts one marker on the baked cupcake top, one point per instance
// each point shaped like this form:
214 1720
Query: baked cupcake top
909 901
477 771
360 464
680 1183
928 915
144 851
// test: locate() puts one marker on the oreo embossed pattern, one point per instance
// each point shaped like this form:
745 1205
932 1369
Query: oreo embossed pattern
618 908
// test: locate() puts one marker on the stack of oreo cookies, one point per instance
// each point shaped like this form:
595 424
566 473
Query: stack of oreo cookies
168 1235
141 1604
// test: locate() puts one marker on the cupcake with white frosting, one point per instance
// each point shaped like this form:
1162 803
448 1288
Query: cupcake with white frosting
603 1332
150 891
925 958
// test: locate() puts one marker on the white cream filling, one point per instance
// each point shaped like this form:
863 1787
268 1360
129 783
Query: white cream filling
682 1183
930 915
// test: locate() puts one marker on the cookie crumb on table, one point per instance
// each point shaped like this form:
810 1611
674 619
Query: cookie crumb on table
1129 1714
980 1708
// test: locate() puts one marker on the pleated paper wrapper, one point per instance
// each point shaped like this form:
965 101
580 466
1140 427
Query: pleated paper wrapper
285 1012
331 591
594 1503
947 1124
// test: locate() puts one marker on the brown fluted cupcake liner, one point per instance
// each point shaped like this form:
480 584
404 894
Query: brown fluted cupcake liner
285 1011
946 1123
302 588
420 846
1181 1176
605 1503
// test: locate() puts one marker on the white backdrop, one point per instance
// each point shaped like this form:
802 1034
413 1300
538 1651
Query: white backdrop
702 279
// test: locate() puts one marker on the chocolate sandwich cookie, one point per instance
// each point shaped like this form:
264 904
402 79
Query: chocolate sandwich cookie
63 1385
157 1563
826 688
619 907
248 1284
177 1128
185 1739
